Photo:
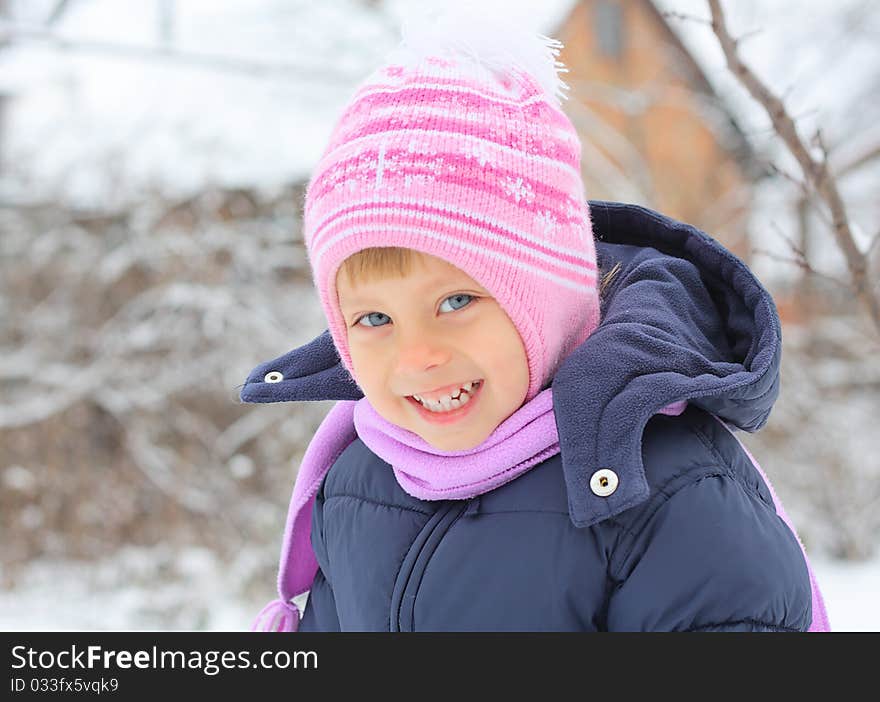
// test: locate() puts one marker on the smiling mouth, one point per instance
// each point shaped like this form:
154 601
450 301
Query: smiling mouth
450 411
453 392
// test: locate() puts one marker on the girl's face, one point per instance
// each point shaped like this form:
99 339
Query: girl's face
428 334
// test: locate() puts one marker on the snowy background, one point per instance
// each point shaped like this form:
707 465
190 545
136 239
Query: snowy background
178 131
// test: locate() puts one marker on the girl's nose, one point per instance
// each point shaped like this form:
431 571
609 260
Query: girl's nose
417 355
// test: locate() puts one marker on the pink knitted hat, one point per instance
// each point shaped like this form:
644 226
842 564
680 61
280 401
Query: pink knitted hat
457 147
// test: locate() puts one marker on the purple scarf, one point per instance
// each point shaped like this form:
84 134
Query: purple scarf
526 438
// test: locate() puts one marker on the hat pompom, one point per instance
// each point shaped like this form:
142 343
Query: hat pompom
486 33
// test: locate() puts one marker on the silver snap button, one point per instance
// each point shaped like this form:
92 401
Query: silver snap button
273 377
604 482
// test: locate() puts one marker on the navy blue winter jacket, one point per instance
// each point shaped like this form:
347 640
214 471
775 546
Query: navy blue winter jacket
689 541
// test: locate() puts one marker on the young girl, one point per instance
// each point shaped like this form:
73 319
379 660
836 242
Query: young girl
536 394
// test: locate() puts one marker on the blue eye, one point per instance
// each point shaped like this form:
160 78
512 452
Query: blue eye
457 298
371 314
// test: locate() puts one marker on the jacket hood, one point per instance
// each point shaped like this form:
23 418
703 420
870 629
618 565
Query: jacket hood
683 319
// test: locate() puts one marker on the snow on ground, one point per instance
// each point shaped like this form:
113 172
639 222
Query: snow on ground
118 594
850 591
156 589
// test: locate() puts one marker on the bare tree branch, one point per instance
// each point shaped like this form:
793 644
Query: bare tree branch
13 31
800 259
872 245
817 172
156 463
793 179
245 428
860 161
671 14
57 11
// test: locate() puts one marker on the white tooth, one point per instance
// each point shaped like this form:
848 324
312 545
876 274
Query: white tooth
446 403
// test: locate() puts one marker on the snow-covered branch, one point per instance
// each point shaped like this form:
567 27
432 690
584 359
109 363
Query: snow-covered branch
124 340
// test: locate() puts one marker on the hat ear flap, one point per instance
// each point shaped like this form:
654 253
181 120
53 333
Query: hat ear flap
308 373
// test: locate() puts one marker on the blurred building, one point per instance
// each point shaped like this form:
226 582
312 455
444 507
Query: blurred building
654 129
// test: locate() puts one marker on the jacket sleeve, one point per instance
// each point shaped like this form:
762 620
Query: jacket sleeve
710 556
320 611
